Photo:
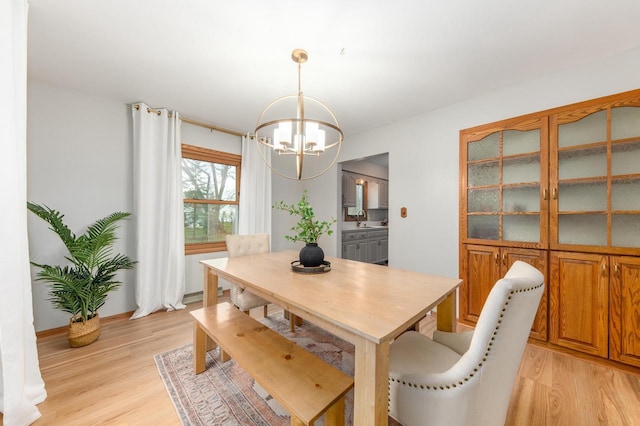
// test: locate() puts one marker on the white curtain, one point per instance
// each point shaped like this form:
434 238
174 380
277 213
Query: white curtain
255 191
21 385
158 210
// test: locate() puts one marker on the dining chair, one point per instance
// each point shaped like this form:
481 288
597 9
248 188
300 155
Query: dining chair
467 378
243 245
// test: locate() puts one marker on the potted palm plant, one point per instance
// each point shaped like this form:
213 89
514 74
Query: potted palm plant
81 287
308 229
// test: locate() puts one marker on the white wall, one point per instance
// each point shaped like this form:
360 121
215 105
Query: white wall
366 168
80 163
322 196
424 161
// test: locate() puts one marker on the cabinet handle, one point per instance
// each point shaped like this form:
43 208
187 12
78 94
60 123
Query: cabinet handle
504 259
544 194
615 270
554 193
604 269
497 258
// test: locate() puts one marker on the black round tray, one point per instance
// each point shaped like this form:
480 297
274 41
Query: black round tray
297 267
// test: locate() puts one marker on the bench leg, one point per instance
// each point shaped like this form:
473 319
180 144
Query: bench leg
199 348
200 341
210 344
335 414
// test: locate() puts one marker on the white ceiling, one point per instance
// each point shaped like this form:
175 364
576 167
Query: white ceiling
372 61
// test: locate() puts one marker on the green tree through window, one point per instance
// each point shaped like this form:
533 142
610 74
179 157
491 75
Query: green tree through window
211 188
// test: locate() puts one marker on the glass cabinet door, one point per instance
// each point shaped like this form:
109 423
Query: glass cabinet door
505 175
596 190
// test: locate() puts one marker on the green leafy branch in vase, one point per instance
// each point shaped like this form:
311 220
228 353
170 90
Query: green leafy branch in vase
308 229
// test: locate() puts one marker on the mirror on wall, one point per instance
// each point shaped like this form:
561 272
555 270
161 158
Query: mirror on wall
359 209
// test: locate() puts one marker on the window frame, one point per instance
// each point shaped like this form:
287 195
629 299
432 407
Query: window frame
212 156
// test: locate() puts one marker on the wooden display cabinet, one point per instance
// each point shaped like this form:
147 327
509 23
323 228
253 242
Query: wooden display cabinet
504 209
565 185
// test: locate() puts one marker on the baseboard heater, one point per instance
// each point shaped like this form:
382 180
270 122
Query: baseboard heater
197 296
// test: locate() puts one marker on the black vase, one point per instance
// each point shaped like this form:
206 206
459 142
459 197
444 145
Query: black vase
311 255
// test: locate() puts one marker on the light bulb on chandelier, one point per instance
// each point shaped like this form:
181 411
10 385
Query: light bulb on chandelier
307 131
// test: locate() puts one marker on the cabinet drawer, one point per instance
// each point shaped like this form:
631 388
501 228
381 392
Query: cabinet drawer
378 234
349 236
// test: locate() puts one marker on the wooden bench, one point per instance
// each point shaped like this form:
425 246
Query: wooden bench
302 383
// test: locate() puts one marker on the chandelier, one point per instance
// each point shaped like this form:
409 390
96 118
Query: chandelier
298 127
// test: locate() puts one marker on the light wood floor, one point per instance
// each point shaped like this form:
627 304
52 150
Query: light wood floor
114 381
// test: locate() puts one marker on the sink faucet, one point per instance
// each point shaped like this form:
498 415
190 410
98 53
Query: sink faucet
364 215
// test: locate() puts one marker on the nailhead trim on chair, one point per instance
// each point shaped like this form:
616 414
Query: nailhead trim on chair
475 370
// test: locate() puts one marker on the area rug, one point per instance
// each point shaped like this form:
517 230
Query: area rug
226 395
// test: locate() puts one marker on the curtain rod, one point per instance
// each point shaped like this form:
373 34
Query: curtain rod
196 123
212 127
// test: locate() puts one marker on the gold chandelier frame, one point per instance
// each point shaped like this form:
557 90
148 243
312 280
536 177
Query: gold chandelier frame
300 147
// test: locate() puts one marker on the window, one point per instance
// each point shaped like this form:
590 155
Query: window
211 188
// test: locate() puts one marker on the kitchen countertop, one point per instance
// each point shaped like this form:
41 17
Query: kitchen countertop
367 228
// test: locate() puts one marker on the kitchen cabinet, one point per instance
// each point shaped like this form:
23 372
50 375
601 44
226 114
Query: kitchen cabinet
354 246
365 245
565 183
377 193
350 249
377 246
349 182
383 191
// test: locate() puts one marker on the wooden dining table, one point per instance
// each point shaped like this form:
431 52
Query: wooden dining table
365 304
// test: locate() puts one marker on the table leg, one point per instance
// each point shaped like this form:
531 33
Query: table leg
371 383
210 290
294 320
446 318
209 298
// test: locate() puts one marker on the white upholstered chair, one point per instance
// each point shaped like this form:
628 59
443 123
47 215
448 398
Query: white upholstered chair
467 378
243 245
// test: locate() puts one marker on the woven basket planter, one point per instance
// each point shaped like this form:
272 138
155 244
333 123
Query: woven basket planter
84 333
